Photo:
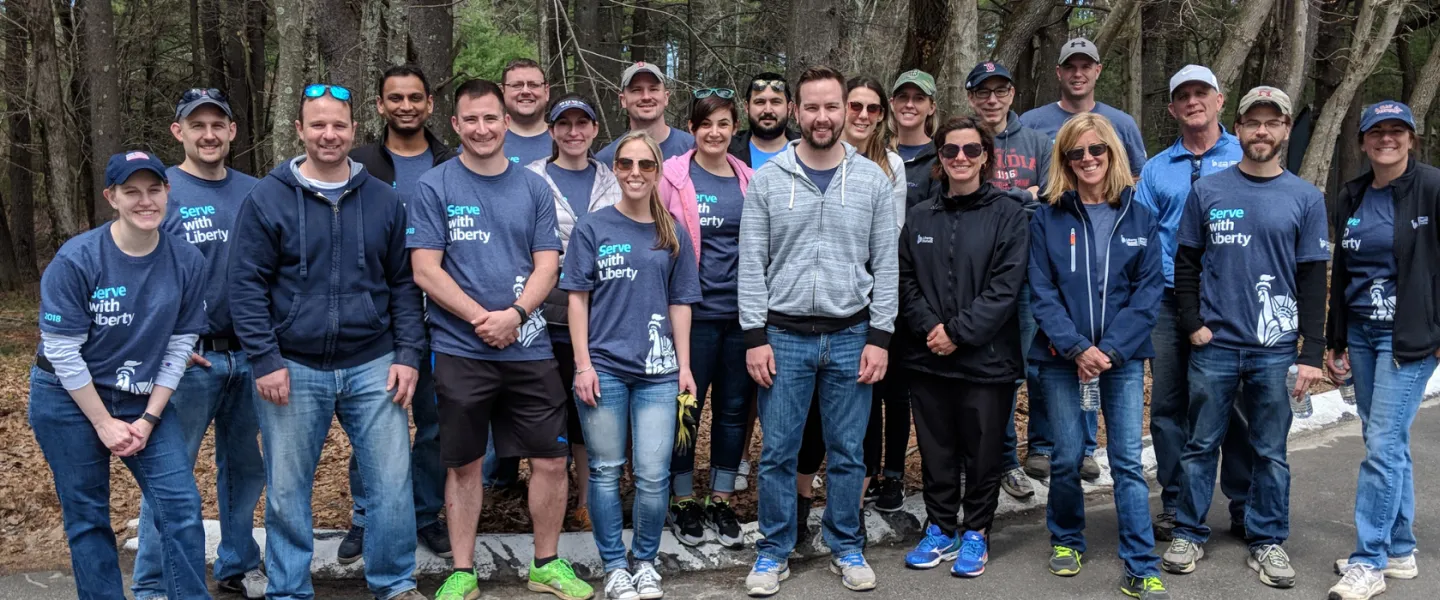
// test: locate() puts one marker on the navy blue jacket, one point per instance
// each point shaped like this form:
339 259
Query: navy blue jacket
327 285
1081 302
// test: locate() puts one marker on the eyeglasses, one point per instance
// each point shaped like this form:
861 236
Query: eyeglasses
872 109
194 94
524 85
316 90
702 93
971 150
759 85
628 164
1194 169
986 93
1075 154
1269 125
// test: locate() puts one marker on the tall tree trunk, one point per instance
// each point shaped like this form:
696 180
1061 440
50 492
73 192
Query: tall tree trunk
62 151
20 194
1426 85
212 34
548 34
397 33
374 61
925 36
1135 69
1116 24
1407 65
817 36
640 32
103 73
256 13
197 59
1156 40
290 70
432 41
963 23
1047 85
1021 25
1239 38
236 75
342 49
1287 62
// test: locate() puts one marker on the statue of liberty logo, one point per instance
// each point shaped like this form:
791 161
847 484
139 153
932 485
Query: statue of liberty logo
661 358
125 373
535 325
1279 315
1384 306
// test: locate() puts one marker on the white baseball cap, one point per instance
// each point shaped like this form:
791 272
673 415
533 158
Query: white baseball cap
1193 73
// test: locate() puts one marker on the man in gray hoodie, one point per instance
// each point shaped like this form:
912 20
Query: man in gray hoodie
818 294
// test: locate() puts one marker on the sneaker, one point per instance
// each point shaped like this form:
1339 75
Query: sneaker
974 553
1089 469
352 546
1395 568
1017 484
687 522
461 585
936 547
1064 561
855 574
1164 526
1273 565
1361 582
1037 466
618 586
436 537
1144 588
1181 556
558 578
721 520
872 492
765 577
802 520
892 495
250 586
647 581
1237 530
742 476
580 519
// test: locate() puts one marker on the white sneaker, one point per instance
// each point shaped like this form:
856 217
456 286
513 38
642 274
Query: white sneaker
1395 568
647 581
855 573
250 586
618 586
742 476
1361 582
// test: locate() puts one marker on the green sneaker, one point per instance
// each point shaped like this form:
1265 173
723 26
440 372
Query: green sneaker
1064 561
461 585
559 578
1145 588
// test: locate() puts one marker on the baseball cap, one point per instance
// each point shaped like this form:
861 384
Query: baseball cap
917 78
1387 110
569 103
125 164
638 68
1078 46
1265 95
986 70
1193 73
194 98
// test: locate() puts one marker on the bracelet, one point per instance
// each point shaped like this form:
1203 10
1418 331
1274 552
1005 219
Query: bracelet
151 419
584 370
520 309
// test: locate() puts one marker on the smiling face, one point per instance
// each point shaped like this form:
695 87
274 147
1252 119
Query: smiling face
404 104
1262 131
206 135
713 133
635 183
526 93
1090 170
645 98
911 107
573 132
140 200
822 112
1388 143
1196 105
987 101
1077 76
326 127
768 111
863 123
481 123
962 169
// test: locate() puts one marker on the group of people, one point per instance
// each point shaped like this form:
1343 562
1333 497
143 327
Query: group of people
527 298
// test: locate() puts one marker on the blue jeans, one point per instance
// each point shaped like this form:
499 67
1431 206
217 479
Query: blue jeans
830 361
1122 398
1170 418
643 413
717 357
223 393
1387 396
1040 437
426 471
379 434
81 466
1220 378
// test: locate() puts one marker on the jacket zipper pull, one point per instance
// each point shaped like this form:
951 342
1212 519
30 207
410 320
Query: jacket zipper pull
1072 249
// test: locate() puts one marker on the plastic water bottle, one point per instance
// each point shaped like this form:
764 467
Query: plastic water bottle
1090 395
1300 406
1347 387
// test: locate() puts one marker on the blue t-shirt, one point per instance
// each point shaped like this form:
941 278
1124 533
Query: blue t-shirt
759 157
719 201
1102 221
489 227
908 153
523 150
632 286
677 143
408 170
203 212
1369 244
575 186
1254 234
127 306
820 178
1049 118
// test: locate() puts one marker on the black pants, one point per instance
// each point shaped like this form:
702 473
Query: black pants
812 443
892 401
960 423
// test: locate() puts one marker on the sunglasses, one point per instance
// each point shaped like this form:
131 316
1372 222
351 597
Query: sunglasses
1194 169
971 150
759 85
872 109
628 164
316 90
194 94
725 93
1075 154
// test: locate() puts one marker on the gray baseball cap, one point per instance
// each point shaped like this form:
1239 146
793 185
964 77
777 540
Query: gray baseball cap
1078 46
1195 73
638 68
1266 95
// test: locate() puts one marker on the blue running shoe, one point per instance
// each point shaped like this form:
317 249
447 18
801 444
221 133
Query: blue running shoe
934 548
974 553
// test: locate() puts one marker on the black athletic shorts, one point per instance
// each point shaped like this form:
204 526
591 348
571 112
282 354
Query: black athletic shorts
523 402
565 355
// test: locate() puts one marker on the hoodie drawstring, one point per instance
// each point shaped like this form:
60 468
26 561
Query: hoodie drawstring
304 241
359 227
793 177
844 174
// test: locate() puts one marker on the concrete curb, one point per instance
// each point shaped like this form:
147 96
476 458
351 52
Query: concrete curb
501 557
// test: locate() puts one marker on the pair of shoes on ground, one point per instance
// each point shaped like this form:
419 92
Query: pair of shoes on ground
639 583
694 524
1067 562
1037 466
970 551
765 577
1361 581
251 585
885 494
1269 561
557 577
435 537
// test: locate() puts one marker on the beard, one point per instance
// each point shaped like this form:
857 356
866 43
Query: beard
809 136
767 133
1254 152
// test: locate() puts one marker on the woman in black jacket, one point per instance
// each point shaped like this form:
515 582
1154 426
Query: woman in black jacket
1384 331
963 257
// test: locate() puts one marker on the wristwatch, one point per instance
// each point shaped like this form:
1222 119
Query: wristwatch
151 419
523 315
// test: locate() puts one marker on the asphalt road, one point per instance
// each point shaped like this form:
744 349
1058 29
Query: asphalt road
1322 529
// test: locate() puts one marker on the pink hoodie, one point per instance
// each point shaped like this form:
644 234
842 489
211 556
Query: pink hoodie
678 192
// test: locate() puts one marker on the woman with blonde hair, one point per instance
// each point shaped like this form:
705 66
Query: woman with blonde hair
1096 282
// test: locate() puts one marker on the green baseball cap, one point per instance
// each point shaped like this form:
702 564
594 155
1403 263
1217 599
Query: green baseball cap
915 77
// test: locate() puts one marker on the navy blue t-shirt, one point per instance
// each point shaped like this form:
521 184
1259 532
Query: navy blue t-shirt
489 228
128 306
523 150
1254 234
908 153
632 286
1369 244
821 178
575 186
408 170
202 212
677 143
719 201
1102 221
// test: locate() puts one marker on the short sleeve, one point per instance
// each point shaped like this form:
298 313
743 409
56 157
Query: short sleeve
192 298
580 260
546 235
1134 148
1314 244
1190 233
63 299
684 281
427 229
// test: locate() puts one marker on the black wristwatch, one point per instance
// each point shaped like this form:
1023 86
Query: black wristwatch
523 315
151 419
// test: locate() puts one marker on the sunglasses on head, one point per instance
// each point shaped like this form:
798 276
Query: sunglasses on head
194 94
1075 154
628 164
316 90
971 150
759 85
872 109
725 93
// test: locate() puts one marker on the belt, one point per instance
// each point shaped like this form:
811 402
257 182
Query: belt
44 363
220 344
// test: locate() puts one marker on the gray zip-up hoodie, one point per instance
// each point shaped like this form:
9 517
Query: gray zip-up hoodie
819 258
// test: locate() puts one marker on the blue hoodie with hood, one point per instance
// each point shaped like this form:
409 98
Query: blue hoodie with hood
325 284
